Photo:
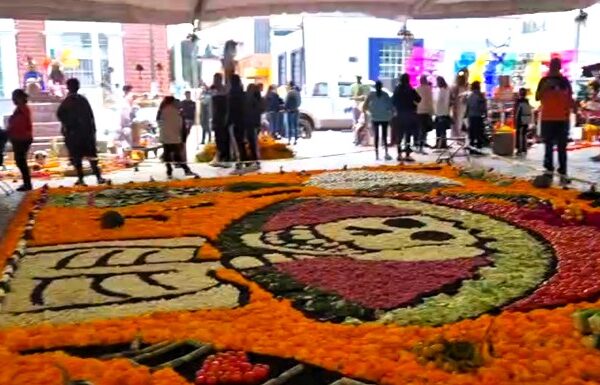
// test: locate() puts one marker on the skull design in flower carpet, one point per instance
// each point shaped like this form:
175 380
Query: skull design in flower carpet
393 260
87 281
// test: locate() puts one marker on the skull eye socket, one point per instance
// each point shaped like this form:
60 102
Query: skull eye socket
432 236
363 231
404 223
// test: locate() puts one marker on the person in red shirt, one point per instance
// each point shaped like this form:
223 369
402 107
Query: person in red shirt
20 134
556 97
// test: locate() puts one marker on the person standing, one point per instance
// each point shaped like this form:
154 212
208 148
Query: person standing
476 114
293 101
253 113
79 130
205 112
236 101
458 103
20 134
274 104
405 102
425 113
442 113
188 113
3 141
556 97
379 106
523 119
169 124
219 116
359 93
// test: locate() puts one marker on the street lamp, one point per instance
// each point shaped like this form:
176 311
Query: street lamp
408 40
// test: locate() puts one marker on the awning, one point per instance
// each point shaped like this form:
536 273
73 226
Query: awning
184 11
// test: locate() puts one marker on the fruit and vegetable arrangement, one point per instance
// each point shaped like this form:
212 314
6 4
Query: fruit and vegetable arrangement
451 356
587 321
231 368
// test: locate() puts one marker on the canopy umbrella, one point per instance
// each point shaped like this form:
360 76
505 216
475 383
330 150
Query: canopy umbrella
185 11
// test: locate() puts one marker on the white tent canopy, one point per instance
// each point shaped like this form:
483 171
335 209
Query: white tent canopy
185 11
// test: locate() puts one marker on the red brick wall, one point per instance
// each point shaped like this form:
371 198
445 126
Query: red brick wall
138 50
31 41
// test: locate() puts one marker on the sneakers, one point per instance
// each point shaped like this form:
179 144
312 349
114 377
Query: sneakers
80 182
409 158
387 157
102 180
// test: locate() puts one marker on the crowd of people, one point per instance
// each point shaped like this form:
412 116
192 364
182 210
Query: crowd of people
234 115
463 110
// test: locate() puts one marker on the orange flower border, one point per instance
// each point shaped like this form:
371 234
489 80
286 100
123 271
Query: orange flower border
540 346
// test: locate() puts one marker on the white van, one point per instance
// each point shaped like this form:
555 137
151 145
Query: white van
328 105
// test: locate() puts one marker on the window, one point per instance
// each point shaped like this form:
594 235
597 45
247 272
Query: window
321 89
533 26
80 45
297 73
91 51
345 90
282 67
262 35
390 60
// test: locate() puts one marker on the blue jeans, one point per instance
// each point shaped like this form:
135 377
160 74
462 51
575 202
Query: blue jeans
273 118
293 121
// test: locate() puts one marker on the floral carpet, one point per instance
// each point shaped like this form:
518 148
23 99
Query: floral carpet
392 275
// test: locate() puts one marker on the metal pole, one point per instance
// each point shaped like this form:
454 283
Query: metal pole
303 62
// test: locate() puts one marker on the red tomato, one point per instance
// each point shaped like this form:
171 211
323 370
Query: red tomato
200 380
245 366
262 371
250 378
236 377
211 380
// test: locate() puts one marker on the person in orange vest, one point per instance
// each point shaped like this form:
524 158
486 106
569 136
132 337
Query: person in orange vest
556 97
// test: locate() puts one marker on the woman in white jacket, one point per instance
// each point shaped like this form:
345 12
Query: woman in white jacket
171 127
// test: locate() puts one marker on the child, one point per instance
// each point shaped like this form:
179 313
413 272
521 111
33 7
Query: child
523 118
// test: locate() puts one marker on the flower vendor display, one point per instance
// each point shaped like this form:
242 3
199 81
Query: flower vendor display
392 275
268 148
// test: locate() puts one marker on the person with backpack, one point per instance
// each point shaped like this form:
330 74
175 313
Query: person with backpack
556 97
476 115
523 118
379 106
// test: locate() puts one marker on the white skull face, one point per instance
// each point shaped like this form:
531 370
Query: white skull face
403 238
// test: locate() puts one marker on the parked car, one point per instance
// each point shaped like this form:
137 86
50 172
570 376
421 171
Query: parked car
328 105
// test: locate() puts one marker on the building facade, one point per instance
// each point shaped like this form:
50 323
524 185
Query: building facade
105 52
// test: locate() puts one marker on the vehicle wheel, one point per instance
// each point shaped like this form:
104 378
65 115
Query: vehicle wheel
306 127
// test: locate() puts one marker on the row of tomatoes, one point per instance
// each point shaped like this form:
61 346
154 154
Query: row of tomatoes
231 368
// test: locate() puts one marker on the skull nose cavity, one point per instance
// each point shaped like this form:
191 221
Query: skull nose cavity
432 236
404 223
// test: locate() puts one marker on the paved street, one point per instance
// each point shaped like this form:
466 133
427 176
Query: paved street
328 150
